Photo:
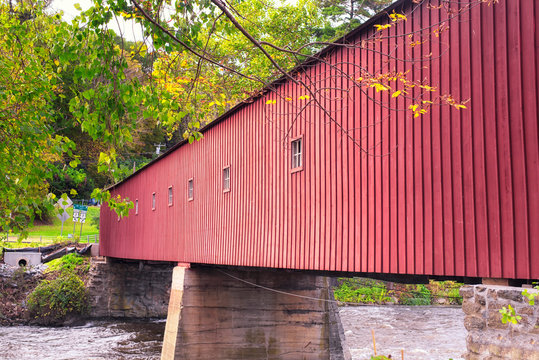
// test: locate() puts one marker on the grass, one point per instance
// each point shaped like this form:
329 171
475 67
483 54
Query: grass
55 228
362 291
367 291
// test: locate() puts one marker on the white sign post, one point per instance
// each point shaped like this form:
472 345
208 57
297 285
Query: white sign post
75 219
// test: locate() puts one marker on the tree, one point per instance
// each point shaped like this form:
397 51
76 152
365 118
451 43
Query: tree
348 14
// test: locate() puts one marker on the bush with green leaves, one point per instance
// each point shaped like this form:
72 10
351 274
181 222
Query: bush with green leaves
53 301
362 291
67 262
448 290
420 295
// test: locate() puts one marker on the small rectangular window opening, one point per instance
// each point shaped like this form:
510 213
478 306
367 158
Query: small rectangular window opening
136 207
297 155
153 201
226 179
170 196
190 189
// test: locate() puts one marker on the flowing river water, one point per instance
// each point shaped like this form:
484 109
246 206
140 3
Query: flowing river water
424 332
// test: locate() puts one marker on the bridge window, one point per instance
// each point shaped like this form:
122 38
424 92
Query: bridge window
153 201
170 196
297 154
226 179
136 207
190 190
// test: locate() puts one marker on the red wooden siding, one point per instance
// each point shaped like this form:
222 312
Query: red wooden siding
453 192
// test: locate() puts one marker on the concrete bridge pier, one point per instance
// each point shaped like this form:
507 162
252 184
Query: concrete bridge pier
223 313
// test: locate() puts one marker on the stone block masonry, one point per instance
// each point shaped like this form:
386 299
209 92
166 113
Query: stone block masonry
121 289
488 338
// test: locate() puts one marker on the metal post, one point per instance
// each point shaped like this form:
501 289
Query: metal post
40 236
88 239
74 223
80 233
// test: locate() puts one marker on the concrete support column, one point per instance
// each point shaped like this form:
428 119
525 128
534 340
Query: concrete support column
250 314
174 312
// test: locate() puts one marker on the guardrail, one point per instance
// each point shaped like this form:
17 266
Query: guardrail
93 239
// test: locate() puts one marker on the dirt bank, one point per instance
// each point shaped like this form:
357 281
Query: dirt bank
15 285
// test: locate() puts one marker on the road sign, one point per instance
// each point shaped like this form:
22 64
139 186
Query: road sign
63 216
80 207
64 203
75 215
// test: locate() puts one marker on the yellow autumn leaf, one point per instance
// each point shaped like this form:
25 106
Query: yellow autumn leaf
382 27
459 106
396 93
380 87
56 62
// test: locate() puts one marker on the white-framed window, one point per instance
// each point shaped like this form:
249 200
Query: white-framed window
153 201
170 195
226 179
136 207
190 190
297 154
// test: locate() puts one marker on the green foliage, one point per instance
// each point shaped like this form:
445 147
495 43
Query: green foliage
362 291
66 263
531 296
346 15
52 301
446 290
116 203
509 315
67 178
416 295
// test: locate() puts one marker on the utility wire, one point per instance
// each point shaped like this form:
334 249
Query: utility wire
306 297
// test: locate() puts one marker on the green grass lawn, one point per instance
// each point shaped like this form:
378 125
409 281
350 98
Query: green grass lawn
55 229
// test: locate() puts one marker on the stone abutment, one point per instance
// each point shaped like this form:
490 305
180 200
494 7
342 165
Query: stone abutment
488 337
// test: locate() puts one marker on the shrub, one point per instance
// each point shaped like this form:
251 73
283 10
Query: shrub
418 296
53 301
362 291
446 290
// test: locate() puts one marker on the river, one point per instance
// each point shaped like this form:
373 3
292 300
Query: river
94 341
424 332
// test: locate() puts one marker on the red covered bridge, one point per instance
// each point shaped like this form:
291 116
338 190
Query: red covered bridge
356 183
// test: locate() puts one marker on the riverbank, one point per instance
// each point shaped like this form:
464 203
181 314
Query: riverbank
364 291
15 285
29 294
